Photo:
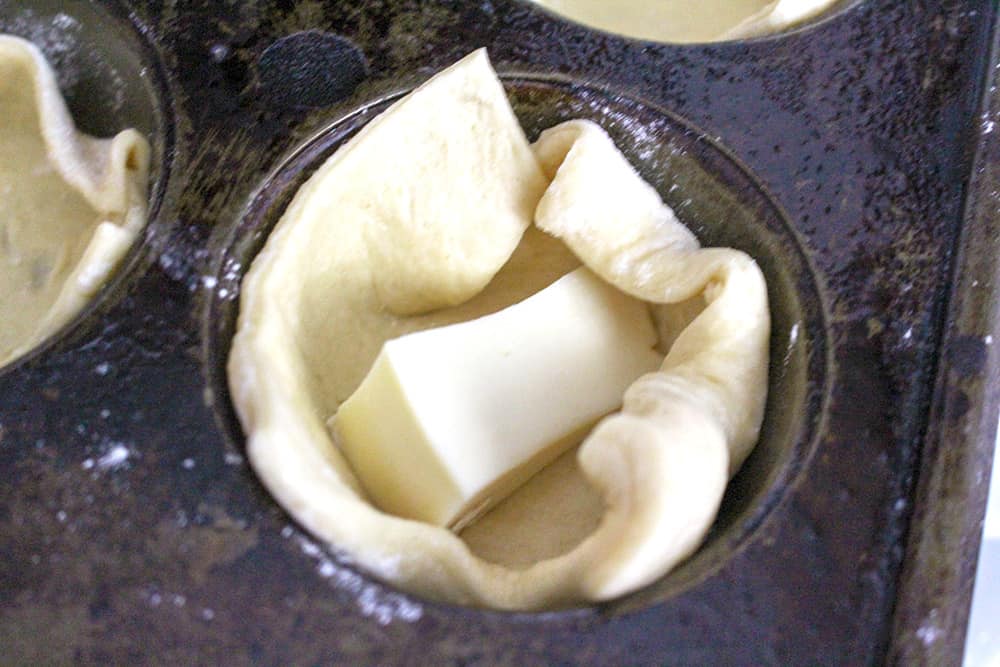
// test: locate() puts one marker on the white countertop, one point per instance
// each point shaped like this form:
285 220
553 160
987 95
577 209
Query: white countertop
982 643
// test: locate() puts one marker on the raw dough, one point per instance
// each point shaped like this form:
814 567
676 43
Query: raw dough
70 205
450 161
685 21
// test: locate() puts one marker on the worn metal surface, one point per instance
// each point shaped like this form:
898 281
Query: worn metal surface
932 610
131 529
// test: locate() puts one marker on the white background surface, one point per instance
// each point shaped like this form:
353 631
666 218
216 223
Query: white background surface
982 643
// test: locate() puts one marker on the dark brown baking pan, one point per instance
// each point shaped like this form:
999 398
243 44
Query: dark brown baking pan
853 157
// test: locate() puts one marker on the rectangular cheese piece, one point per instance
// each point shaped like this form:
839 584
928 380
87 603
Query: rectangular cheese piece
451 420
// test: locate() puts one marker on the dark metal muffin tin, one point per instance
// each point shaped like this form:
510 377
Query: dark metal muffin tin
839 155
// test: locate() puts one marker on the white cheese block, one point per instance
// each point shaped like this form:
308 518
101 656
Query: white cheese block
451 420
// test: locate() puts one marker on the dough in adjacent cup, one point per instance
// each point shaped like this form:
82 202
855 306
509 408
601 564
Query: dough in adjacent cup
689 21
70 205
448 167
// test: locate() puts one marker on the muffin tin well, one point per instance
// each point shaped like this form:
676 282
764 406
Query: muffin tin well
711 193
828 13
111 79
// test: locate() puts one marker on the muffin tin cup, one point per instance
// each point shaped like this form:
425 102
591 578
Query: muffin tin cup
805 25
111 79
709 190
834 154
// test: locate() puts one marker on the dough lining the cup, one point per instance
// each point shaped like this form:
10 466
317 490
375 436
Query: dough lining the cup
316 307
71 205
686 21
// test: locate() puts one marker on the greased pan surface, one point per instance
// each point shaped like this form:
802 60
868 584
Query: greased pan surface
133 530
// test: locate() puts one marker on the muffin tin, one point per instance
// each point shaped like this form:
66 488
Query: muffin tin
837 154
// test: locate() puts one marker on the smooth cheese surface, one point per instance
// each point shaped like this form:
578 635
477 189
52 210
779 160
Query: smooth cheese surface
450 420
